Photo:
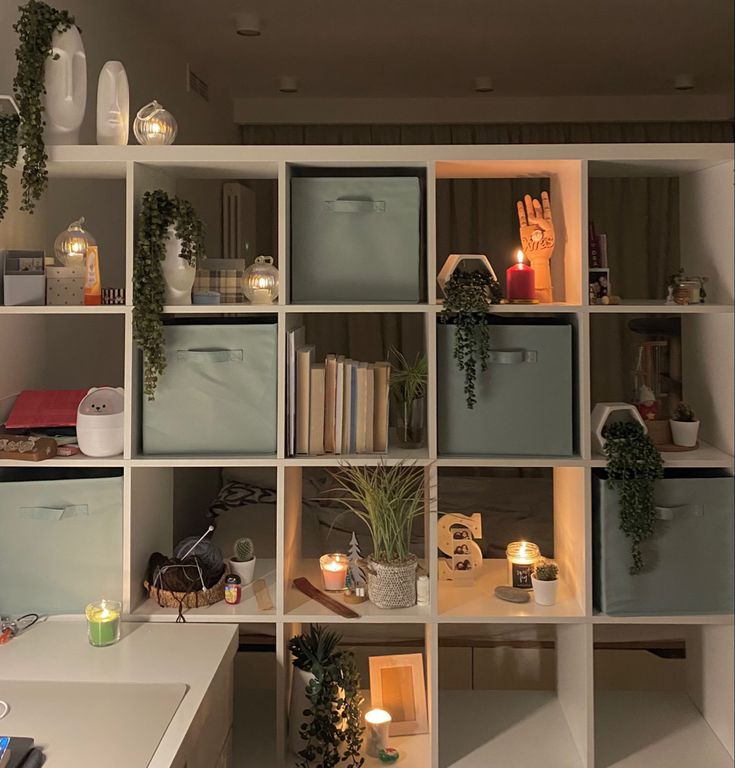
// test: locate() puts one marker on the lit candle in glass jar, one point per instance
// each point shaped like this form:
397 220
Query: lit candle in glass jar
334 569
377 723
522 556
103 622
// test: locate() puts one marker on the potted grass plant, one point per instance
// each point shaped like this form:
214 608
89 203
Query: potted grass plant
387 499
544 582
408 387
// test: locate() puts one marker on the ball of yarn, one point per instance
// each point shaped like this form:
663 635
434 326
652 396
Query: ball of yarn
210 556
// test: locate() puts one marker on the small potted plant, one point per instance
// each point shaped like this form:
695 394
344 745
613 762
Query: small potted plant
324 715
243 561
684 426
544 581
387 499
408 387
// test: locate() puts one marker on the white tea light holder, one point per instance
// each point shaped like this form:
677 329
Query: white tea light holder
154 125
377 724
603 413
70 246
260 281
455 259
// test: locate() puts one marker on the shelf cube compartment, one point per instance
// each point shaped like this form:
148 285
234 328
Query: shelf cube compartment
61 544
663 695
511 695
170 505
688 562
543 506
525 399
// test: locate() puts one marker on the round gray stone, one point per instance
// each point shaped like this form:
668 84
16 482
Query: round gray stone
512 594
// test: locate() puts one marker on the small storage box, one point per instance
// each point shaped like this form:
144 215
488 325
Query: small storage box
524 398
218 393
356 239
689 559
65 286
224 276
24 278
61 543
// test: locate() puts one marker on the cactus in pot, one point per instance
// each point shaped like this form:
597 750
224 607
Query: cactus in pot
243 561
544 581
684 426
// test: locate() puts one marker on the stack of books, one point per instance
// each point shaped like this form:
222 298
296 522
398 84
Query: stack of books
339 406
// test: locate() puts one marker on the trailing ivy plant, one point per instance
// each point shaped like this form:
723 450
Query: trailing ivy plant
159 212
8 154
633 465
35 27
332 732
467 299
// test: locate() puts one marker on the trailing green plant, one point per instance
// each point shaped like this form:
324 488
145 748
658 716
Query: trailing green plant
244 550
332 731
8 154
408 386
467 299
545 570
35 27
684 412
159 212
633 466
387 499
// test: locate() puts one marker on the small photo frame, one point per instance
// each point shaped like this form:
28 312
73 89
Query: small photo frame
599 285
397 686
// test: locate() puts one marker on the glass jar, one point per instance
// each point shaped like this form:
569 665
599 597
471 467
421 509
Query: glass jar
70 247
103 622
155 125
410 422
522 557
260 281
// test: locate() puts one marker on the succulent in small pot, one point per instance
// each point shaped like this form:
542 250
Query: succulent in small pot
684 426
243 561
544 582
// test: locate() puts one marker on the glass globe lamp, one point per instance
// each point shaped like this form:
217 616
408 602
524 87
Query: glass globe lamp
70 247
260 281
154 125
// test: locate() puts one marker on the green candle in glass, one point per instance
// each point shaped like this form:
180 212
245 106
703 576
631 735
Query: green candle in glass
103 622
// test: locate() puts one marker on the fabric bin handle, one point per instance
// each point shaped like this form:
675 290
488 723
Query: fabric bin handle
684 510
210 355
355 206
54 513
512 356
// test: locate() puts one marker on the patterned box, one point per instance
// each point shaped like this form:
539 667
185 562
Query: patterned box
65 286
224 276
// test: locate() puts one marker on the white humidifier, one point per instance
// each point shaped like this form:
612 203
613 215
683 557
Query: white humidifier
100 422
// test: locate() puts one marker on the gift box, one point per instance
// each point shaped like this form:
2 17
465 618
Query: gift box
65 286
223 276
24 278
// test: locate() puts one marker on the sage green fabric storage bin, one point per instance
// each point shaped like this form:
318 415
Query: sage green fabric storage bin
689 559
525 398
356 239
60 539
218 393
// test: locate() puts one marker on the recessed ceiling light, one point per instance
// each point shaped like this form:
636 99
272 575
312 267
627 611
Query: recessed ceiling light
288 84
247 25
684 83
483 84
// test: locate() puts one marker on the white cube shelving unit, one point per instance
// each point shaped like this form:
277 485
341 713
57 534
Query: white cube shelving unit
575 720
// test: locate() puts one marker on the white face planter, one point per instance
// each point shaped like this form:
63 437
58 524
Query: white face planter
65 81
100 422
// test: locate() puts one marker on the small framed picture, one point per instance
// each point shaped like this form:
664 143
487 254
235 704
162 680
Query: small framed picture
397 686
599 285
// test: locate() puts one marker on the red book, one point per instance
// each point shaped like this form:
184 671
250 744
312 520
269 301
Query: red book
40 408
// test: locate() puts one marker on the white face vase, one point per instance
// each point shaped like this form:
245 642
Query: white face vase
66 88
113 105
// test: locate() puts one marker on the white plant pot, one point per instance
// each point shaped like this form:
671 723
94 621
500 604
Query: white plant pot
544 592
245 569
178 274
65 81
684 433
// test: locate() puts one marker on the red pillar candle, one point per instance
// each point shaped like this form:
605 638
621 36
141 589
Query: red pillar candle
520 281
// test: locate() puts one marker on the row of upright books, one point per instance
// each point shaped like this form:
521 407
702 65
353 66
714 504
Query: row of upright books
339 406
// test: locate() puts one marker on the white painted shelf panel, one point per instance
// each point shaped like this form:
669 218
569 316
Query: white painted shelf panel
512 729
221 309
704 457
102 309
395 454
644 306
643 729
698 619
210 460
474 600
77 461
415 752
510 461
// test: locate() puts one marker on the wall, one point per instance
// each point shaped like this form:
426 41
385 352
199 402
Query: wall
122 30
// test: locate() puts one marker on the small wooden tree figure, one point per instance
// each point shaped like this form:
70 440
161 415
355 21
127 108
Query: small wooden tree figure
355 576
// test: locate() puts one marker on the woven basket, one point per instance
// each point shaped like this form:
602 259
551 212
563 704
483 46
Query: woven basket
392 585
168 599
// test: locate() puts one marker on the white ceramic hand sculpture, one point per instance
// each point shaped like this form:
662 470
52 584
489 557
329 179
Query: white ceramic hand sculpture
537 241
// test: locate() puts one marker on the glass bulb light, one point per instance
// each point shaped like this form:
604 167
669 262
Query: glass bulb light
260 281
154 125
70 247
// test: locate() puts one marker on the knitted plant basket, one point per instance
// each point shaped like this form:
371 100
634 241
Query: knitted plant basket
392 585
197 599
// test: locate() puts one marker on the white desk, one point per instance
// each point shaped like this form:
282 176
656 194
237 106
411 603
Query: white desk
169 683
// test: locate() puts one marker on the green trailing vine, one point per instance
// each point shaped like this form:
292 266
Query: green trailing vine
633 465
8 154
468 296
159 212
332 732
35 27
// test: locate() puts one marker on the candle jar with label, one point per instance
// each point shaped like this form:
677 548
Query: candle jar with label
334 569
521 556
103 622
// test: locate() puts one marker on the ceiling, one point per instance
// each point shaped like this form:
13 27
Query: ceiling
434 48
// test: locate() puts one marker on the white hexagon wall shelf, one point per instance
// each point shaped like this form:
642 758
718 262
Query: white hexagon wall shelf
455 259
603 413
